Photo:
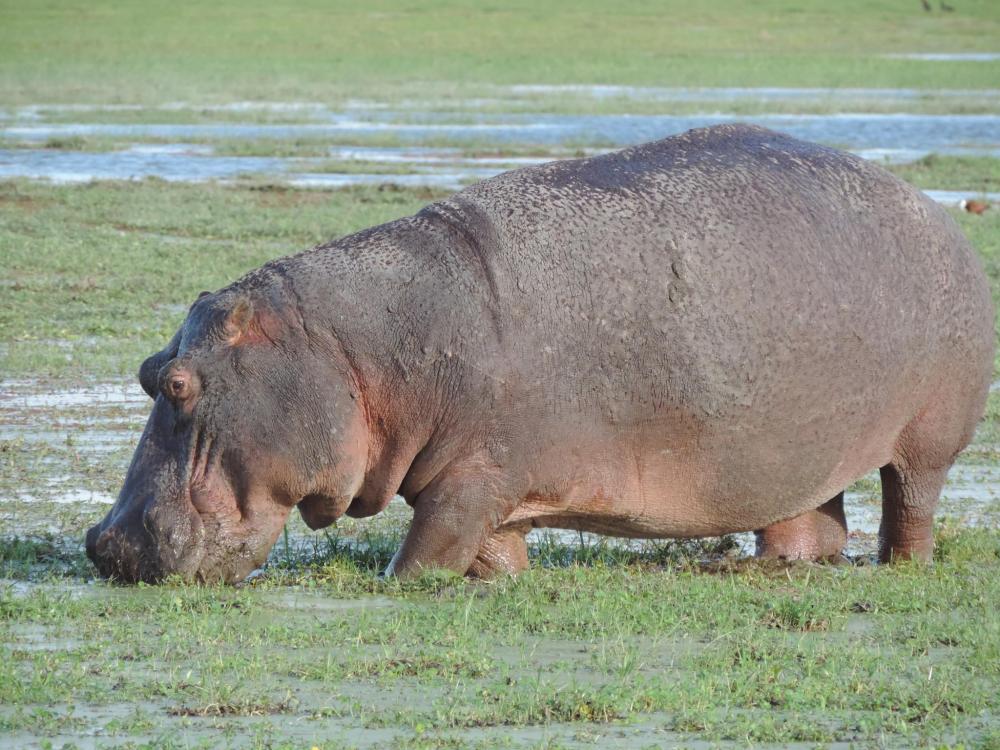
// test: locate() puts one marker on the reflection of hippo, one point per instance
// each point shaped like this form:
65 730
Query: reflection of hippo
713 333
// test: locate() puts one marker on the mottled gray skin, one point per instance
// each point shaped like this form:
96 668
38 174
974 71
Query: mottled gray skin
713 333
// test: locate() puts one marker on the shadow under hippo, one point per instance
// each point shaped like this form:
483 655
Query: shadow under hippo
712 333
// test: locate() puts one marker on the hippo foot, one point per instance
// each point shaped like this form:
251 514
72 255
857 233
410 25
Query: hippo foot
451 519
816 535
504 553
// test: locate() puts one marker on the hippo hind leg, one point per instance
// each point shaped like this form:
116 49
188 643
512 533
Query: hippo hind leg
909 498
913 479
815 535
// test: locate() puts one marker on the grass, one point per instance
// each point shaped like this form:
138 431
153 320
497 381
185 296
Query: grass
975 174
152 52
97 277
474 100
764 653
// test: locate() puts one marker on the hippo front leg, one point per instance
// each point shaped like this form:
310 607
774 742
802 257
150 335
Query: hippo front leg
504 553
452 521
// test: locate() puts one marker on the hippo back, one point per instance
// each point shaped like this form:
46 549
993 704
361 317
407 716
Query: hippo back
731 275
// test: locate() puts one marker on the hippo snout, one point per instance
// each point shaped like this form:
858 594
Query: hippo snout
115 556
146 543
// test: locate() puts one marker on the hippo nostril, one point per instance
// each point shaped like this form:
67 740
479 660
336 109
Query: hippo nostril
101 547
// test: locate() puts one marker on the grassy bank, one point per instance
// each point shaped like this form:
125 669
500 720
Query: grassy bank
98 276
152 52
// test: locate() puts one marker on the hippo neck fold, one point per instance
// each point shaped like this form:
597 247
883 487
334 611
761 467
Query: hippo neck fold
399 309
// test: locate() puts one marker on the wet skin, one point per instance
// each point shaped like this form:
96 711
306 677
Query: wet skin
712 333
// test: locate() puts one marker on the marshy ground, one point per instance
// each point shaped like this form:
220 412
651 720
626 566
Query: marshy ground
599 644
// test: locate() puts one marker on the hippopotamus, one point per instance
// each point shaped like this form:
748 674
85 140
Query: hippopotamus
716 332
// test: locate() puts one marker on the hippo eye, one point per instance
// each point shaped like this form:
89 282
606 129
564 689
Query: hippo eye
178 383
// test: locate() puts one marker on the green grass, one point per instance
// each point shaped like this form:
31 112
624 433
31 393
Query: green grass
98 277
773 653
150 52
975 174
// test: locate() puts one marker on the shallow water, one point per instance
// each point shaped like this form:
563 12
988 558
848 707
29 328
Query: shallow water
881 137
70 497
955 197
136 163
946 56
847 130
428 169
319 602
731 94
444 179
20 395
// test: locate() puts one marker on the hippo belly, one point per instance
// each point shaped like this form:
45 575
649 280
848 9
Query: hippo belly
658 485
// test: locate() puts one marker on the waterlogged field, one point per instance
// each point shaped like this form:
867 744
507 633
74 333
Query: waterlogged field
613 650
229 111
654 645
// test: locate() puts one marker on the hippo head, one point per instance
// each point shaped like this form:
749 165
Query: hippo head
253 414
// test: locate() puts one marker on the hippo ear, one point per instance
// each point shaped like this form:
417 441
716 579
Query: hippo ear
149 371
249 324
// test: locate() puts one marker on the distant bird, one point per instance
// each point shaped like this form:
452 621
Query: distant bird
927 5
974 206
945 7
